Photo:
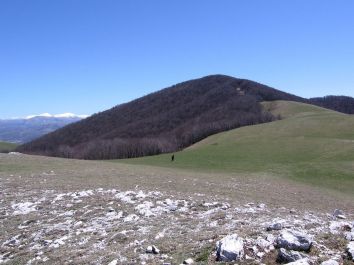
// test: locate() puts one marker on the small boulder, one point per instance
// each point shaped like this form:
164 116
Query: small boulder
230 248
337 227
152 250
293 240
289 255
339 214
300 262
149 249
330 262
350 250
267 244
155 250
188 261
113 262
275 226
349 236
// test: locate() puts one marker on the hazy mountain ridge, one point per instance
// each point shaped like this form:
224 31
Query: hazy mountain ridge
21 130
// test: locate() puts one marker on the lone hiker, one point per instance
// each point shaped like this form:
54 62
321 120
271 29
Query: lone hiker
172 158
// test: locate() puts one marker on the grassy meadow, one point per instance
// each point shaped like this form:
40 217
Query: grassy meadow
310 144
7 147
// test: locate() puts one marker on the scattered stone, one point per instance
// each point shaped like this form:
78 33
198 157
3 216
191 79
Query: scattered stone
289 255
330 262
14 153
349 236
293 240
350 250
276 226
113 262
339 214
337 227
149 250
261 206
155 250
265 245
188 261
230 248
300 262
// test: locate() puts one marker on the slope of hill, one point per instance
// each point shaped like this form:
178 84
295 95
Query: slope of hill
7 147
339 103
32 127
165 121
310 144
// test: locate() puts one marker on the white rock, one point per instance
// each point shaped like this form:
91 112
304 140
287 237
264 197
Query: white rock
24 208
149 249
337 227
188 261
289 255
276 226
113 262
300 262
155 250
14 153
349 236
261 206
230 248
262 243
350 250
339 214
293 240
152 250
330 262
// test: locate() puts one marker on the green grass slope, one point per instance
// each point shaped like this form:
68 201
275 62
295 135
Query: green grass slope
7 147
310 144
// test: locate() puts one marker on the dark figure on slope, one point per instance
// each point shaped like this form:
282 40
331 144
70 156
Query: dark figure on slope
172 158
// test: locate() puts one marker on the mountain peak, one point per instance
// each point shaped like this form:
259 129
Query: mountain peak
63 115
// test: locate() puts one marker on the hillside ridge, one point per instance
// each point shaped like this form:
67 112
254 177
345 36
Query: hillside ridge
168 120
164 121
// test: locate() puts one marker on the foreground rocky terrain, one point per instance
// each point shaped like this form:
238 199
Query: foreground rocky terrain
46 221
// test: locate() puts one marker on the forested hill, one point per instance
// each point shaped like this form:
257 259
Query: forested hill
164 121
339 103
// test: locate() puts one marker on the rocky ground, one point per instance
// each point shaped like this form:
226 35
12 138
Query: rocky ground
43 222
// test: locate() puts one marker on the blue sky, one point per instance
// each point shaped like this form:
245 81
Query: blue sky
85 56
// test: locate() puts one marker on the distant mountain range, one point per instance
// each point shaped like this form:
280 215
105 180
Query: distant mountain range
171 119
22 130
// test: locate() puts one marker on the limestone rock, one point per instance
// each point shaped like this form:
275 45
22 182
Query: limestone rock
152 250
113 262
330 262
276 226
349 236
339 214
289 255
350 250
188 261
300 262
293 240
230 248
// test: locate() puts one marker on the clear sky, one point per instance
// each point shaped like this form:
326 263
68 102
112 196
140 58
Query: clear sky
85 56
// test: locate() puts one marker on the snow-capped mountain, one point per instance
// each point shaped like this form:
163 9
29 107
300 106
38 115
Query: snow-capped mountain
22 130
63 115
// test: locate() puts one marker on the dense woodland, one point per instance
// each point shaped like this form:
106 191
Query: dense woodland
338 103
164 121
